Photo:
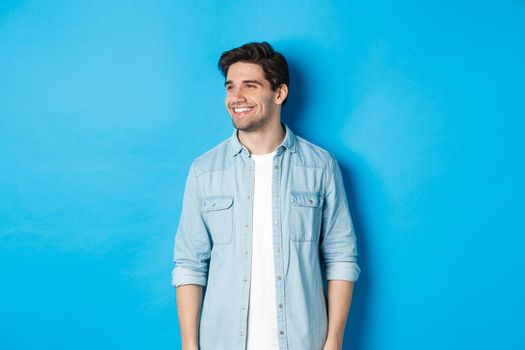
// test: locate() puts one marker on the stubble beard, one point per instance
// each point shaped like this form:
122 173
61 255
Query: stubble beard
251 125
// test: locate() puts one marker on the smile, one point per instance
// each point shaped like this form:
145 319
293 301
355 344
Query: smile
242 109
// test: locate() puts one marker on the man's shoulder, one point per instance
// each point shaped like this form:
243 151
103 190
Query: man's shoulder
312 155
215 158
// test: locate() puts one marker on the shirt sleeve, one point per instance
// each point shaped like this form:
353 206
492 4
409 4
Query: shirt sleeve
192 241
338 241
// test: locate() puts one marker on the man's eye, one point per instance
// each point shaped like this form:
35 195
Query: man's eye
250 85
229 87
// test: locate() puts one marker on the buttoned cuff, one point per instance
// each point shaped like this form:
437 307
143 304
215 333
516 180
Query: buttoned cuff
181 276
345 271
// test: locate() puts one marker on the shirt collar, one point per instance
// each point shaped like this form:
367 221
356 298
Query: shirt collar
289 142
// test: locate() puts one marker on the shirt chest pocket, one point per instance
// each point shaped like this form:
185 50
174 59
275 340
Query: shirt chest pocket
305 215
219 215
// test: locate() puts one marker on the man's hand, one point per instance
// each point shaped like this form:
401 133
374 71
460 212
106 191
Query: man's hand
190 347
333 344
195 347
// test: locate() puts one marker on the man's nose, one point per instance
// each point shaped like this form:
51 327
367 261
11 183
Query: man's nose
238 95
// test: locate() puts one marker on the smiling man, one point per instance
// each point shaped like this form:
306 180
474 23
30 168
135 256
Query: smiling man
264 220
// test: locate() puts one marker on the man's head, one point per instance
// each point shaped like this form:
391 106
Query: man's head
256 84
272 62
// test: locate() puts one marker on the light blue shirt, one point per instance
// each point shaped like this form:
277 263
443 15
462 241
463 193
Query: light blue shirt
313 237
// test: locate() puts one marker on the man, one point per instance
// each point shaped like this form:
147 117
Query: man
264 217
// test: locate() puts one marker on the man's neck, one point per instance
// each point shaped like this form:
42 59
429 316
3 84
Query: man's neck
265 140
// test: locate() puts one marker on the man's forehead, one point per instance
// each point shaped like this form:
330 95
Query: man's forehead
245 71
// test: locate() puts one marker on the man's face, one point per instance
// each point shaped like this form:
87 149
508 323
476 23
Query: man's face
249 97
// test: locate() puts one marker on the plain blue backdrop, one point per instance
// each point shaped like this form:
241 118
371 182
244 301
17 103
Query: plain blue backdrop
104 104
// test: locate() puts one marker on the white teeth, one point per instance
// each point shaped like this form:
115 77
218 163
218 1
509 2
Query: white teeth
241 110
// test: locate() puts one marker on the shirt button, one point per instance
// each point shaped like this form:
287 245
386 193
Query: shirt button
241 334
281 332
280 306
245 280
275 222
276 167
278 278
275 194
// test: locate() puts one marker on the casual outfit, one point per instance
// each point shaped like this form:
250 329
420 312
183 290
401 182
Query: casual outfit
253 270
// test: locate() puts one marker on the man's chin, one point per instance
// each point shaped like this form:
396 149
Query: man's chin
243 126
248 126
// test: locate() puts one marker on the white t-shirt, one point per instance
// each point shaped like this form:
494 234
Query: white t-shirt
262 312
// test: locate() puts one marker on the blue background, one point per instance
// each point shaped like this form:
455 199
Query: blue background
104 104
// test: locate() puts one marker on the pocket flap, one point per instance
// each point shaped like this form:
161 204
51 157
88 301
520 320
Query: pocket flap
307 199
217 203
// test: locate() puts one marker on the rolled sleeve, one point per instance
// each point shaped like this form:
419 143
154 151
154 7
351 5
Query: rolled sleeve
345 271
181 276
338 241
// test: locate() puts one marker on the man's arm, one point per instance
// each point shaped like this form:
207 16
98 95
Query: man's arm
339 300
191 256
189 300
339 255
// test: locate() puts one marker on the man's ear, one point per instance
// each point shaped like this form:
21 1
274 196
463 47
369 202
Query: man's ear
282 93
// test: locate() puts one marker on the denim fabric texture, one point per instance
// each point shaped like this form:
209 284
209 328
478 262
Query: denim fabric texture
313 239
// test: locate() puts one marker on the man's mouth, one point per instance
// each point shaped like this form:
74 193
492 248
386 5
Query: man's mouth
241 110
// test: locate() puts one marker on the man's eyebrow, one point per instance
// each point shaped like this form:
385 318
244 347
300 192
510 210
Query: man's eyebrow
252 82
228 82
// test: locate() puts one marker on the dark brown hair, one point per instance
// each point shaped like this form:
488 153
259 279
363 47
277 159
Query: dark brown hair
272 62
